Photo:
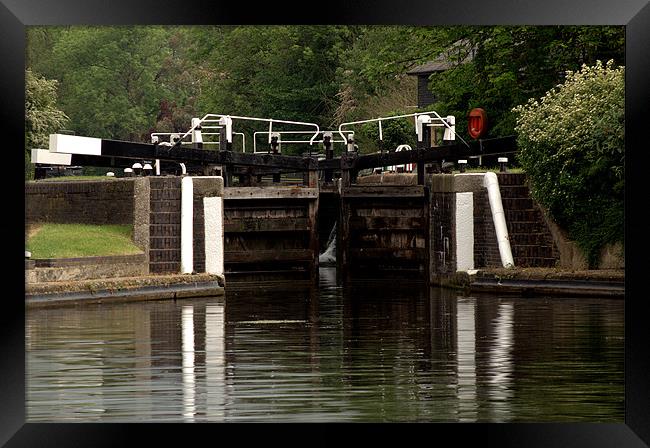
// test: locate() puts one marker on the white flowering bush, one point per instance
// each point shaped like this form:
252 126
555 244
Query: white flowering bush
571 145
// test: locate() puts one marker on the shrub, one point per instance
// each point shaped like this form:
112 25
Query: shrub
571 145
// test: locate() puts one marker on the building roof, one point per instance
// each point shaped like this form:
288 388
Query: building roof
458 53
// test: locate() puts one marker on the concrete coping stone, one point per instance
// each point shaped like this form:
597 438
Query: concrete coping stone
121 283
452 183
601 275
109 259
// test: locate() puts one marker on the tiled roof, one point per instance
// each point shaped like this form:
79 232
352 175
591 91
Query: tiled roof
446 60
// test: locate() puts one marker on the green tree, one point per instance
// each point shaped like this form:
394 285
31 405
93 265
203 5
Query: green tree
509 64
109 79
42 116
284 72
572 147
514 63
120 82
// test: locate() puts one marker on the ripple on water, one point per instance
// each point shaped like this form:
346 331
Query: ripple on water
377 352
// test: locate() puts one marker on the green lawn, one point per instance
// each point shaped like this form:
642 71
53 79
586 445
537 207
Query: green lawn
81 240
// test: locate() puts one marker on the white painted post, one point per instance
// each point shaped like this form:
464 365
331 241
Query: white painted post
196 133
491 182
464 231
187 225
213 234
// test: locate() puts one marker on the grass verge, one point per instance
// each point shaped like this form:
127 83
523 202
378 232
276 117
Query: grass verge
81 240
74 178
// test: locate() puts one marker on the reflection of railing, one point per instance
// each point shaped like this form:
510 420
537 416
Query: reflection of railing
421 119
280 141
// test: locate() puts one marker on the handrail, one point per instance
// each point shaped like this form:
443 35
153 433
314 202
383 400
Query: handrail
293 141
243 136
207 119
394 117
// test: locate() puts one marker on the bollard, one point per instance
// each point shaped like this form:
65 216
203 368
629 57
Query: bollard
137 168
462 165
329 154
110 174
147 169
502 164
128 172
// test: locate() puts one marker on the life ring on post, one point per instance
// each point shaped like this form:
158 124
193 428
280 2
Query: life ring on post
477 123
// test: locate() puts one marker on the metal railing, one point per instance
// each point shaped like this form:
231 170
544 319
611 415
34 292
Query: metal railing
280 141
169 134
226 120
441 122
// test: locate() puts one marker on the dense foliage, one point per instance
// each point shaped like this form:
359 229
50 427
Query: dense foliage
571 144
42 117
126 82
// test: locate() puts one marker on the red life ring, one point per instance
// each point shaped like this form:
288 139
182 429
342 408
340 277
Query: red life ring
477 123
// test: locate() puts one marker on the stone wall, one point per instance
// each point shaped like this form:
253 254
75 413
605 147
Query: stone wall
74 269
107 201
151 204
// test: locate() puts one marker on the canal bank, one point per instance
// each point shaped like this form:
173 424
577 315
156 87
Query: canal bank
124 289
538 282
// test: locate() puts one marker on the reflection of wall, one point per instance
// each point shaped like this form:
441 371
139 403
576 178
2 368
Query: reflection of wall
215 363
189 379
466 359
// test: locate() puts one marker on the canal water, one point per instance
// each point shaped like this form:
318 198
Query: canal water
377 352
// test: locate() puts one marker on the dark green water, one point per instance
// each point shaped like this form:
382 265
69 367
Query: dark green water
380 352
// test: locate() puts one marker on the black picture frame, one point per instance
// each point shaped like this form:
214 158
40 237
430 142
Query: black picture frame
15 15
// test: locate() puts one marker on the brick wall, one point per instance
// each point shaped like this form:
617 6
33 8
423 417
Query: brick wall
442 209
165 225
486 248
84 202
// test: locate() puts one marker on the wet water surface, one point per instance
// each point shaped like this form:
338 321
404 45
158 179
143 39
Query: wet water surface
380 352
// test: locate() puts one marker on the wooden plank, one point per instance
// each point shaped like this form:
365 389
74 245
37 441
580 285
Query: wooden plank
264 213
266 225
270 193
135 150
343 241
450 153
258 256
385 223
385 211
389 253
384 191
313 235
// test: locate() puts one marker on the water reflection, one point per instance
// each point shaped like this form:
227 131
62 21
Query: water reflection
364 352
189 381
466 340
500 364
215 364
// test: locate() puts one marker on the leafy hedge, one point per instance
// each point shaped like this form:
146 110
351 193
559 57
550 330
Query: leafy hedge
571 144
